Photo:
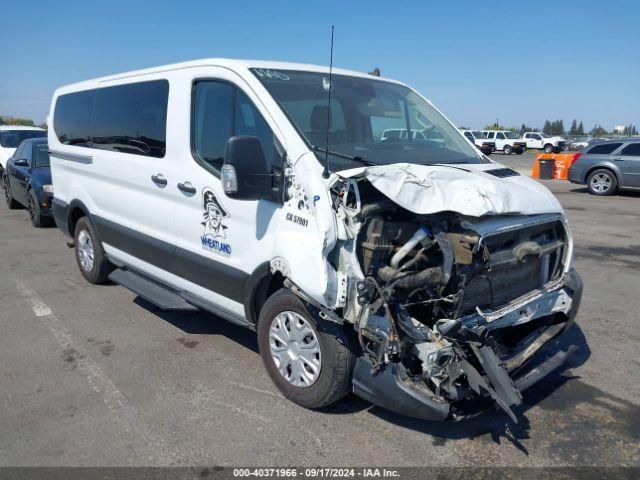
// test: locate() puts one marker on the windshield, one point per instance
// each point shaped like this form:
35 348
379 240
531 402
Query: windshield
479 134
12 138
371 120
544 135
41 155
511 135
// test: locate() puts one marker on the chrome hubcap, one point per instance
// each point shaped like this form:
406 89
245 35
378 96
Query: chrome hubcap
85 251
601 182
295 349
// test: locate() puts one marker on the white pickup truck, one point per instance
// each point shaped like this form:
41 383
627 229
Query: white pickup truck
483 144
506 142
544 142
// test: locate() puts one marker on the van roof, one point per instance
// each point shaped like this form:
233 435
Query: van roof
19 127
218 62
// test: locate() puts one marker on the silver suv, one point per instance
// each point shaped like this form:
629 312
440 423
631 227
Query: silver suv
608 166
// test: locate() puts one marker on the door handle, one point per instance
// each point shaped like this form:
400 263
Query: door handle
159 180
618 159
186 187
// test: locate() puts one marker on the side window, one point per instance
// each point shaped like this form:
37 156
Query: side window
72 118
527 135
19 153
536 137
469 136
500 136
490 134
212 121
132 118
248 121
631 150
604 148
221 111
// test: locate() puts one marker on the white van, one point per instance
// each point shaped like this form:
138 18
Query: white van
11 136
413 271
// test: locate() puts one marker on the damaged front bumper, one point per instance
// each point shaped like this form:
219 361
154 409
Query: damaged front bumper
490 367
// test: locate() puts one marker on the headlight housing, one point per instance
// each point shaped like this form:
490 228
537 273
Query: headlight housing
47 188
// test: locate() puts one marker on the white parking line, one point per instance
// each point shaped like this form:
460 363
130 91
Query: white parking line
96 377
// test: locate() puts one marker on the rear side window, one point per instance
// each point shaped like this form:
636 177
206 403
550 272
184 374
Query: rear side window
131 118
604 148
631 150
72 118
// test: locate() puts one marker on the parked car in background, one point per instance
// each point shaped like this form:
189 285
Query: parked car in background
506 142
476 137
27 181
10 138
545 142
608 166
579 143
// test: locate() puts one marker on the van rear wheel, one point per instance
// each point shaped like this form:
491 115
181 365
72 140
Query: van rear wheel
309 359
90 255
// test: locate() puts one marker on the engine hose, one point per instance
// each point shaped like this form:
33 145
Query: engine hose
429 276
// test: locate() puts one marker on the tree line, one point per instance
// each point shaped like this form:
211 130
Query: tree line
556 127
26 122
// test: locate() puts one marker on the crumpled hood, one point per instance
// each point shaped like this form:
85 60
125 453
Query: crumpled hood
466 189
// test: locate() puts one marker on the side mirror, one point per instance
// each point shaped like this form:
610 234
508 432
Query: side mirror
245 172
21 162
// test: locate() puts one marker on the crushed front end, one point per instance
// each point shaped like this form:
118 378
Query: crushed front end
455 311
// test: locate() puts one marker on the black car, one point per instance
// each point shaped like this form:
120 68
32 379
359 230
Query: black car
27 181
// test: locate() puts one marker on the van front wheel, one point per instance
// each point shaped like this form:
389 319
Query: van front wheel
309 359
90 255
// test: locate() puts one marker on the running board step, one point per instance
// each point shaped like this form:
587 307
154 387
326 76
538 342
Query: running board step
153 292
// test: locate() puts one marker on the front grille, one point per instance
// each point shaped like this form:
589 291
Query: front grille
503 172
511 275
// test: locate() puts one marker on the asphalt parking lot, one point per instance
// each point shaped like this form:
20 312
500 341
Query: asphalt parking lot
91 375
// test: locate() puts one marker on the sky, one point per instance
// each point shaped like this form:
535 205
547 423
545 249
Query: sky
478 61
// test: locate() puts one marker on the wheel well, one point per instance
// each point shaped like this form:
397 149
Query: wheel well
267 286
75 214
548 145
593 169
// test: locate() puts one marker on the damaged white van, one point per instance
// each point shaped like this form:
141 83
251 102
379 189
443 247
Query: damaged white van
409 269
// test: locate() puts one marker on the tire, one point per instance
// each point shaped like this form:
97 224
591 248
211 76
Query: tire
519 151
38 220
8 197
335 360
507 150
92 261
548 148
602 182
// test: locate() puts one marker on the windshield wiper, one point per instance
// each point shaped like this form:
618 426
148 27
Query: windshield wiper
361 160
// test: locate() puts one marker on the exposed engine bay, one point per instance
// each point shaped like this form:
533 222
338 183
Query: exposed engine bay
451 310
